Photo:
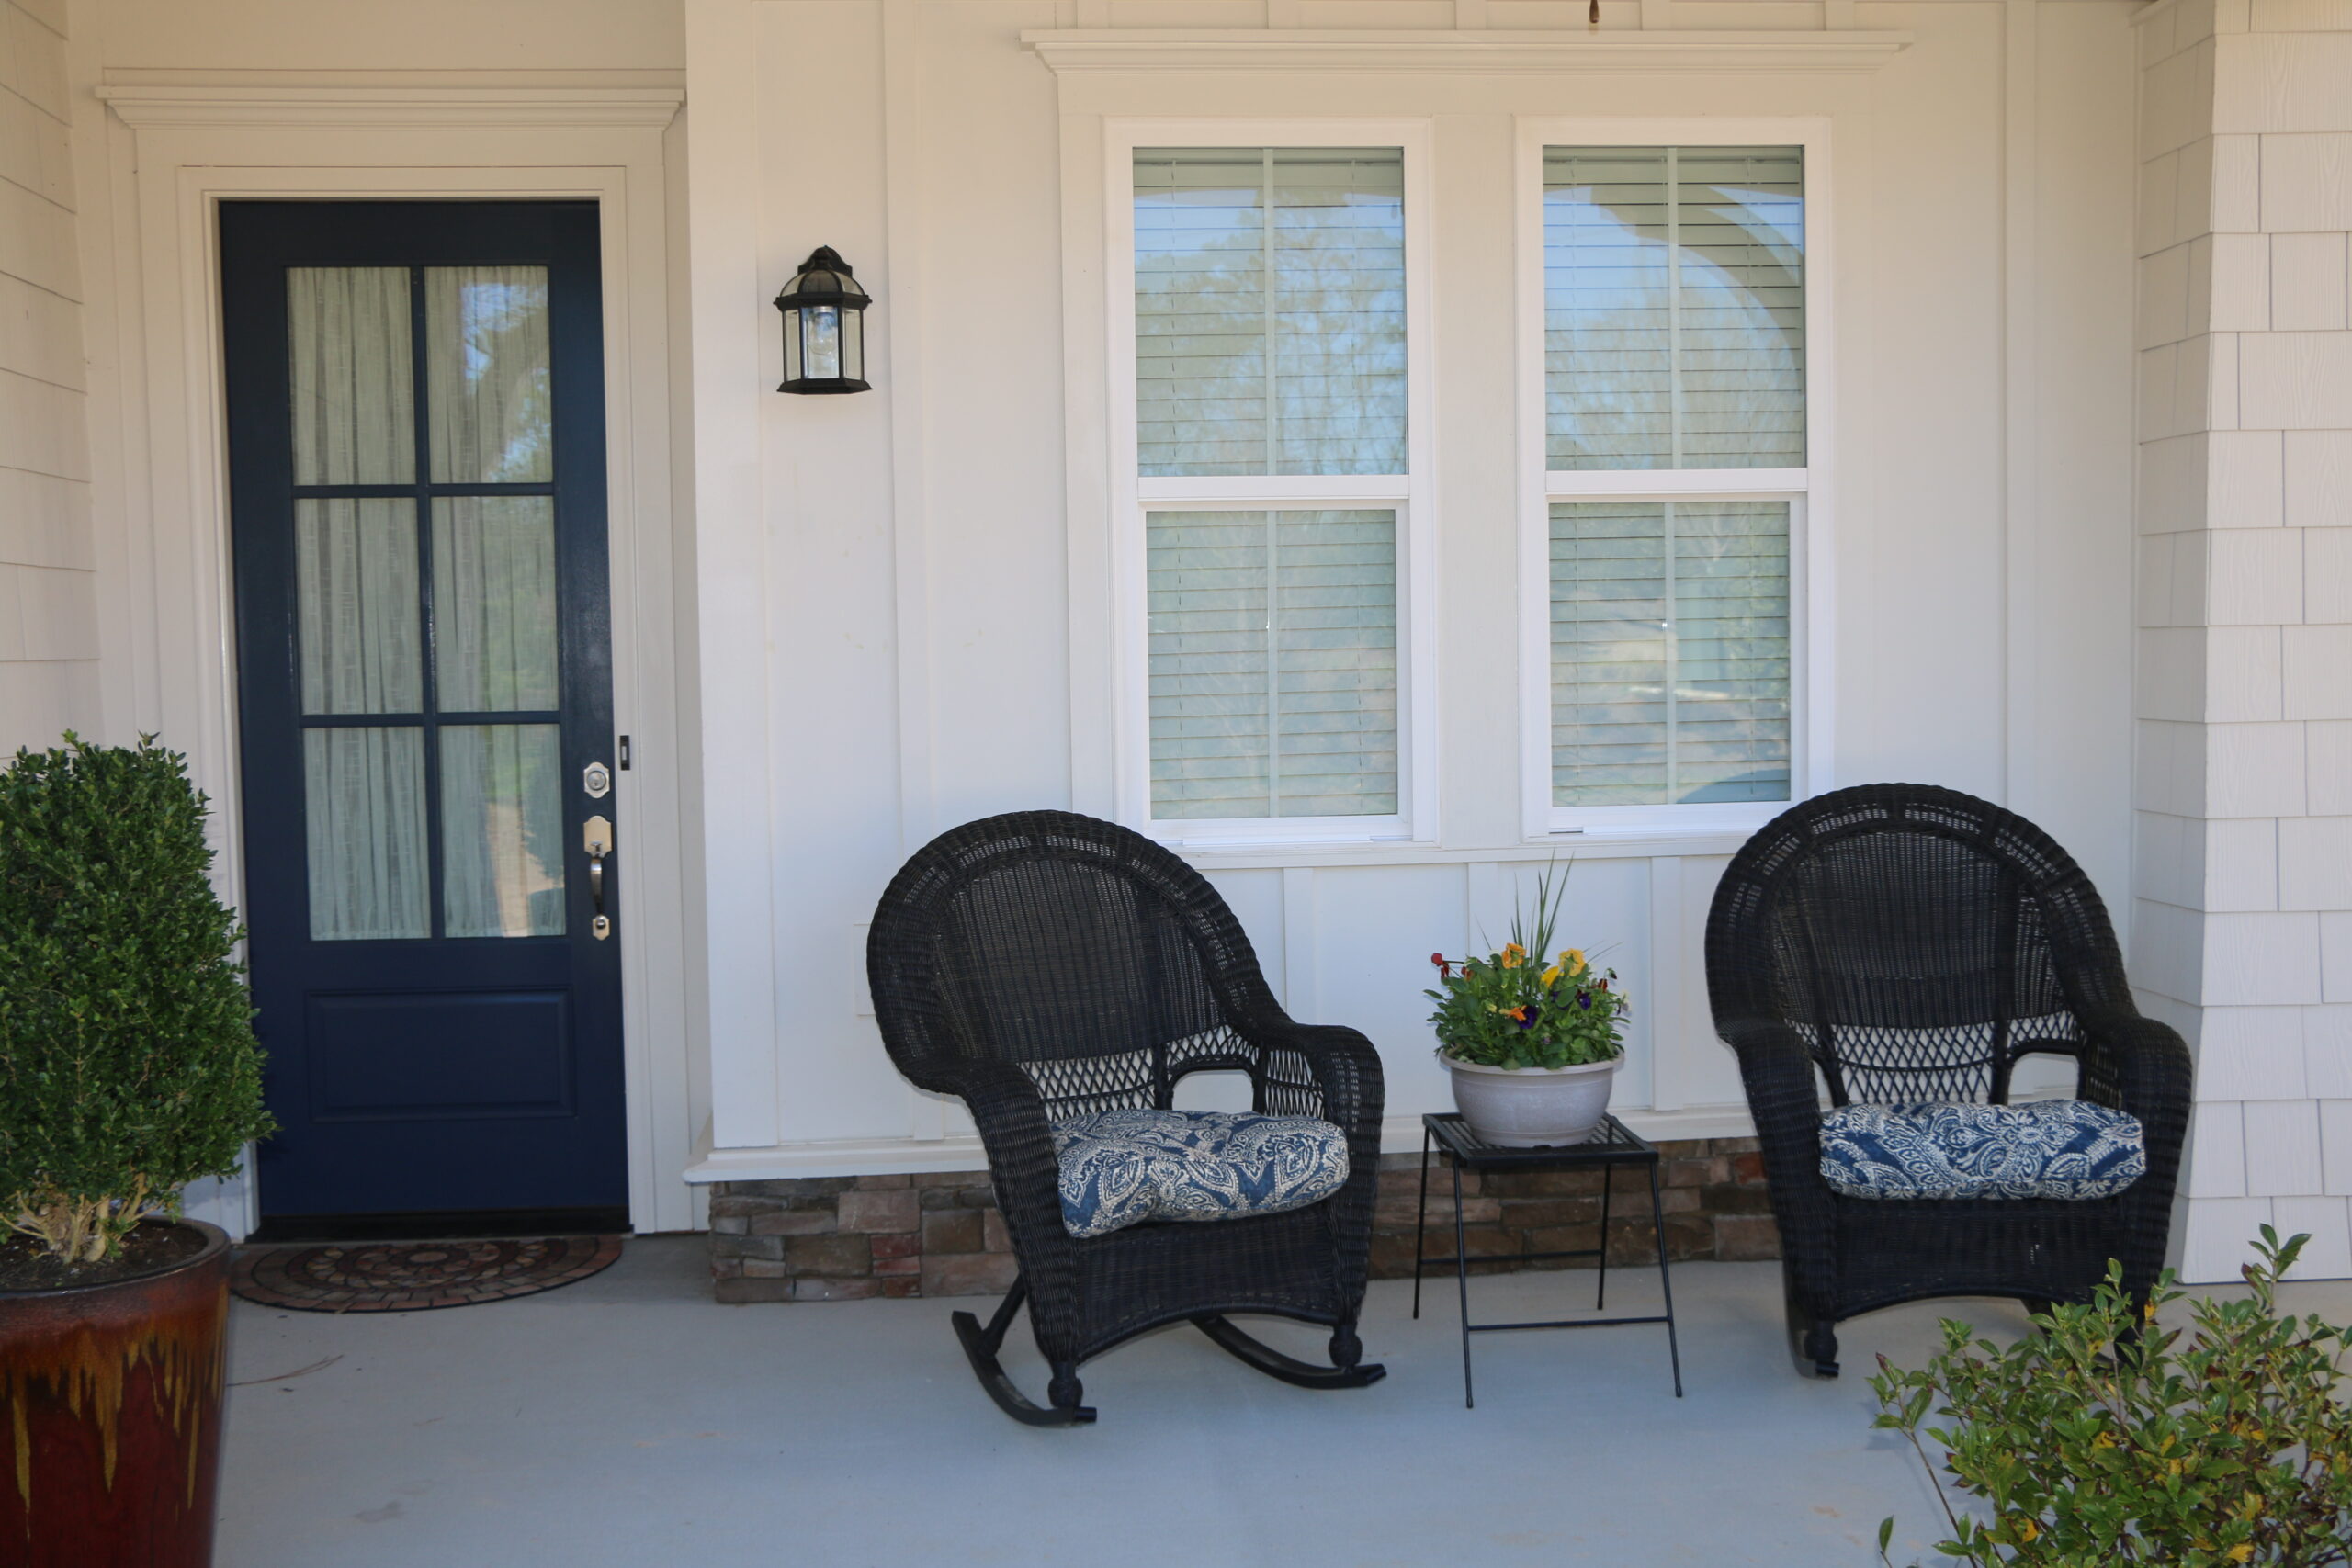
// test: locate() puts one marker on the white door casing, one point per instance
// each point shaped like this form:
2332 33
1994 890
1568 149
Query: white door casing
171 154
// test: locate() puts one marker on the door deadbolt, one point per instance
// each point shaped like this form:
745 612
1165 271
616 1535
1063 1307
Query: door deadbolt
597 780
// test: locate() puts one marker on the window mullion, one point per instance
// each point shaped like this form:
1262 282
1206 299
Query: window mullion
1273 668
1673 629
1266 301
1674 307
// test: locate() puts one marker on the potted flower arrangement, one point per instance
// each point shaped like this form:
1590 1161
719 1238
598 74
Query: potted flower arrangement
127 1068
1533 1047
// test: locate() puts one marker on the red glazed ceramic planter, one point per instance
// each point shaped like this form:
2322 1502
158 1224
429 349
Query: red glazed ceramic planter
110 1417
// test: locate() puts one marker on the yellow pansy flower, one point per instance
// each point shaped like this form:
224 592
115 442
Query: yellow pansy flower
1513 954
1551 976
1574 958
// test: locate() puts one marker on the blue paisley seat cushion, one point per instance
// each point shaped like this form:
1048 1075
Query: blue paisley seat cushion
1121 1167
2044 1148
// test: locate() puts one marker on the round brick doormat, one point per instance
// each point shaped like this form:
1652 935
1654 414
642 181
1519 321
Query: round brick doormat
415 1275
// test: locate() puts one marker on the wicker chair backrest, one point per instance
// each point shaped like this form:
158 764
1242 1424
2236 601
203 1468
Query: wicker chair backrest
1919 940
1075 947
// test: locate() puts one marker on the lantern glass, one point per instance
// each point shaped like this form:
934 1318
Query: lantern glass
854 345
821 334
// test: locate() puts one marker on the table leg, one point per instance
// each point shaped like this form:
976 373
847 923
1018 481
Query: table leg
1666 1282
1421 1220
1462 1283
1600 1294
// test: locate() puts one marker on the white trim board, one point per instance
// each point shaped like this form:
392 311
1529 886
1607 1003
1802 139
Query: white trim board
894 1157
1224 50
150 107
171 155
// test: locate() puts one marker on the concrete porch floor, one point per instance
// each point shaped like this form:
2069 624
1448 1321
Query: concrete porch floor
628 1421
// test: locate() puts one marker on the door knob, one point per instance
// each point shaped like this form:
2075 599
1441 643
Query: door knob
596 838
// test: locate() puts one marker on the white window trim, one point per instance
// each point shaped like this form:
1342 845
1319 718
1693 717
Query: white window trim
1411 494
1809 490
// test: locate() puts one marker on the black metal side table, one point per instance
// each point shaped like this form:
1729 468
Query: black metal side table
1611 1145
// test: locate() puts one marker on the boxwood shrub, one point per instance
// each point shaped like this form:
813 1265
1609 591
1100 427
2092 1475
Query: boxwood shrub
128 1064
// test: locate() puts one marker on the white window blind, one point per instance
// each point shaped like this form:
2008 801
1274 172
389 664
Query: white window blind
1269 310
1670 659
1674 307
1273 663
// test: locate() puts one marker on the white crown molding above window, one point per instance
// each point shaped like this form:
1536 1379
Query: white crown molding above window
146 106
1074 51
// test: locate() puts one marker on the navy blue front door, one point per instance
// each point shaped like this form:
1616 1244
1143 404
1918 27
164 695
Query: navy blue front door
417 494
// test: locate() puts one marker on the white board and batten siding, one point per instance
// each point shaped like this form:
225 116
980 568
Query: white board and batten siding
909 613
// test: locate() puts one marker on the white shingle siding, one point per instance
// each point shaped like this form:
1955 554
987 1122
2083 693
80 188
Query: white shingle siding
47 598
2245 783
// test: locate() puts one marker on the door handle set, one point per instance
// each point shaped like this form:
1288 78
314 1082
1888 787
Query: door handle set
596 838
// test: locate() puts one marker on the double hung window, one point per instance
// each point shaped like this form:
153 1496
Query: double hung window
1266 475
1677 473
1269 481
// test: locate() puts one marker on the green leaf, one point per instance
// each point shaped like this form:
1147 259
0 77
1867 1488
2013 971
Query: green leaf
128 1064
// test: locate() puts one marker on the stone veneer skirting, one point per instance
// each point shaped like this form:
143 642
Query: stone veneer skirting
839 1237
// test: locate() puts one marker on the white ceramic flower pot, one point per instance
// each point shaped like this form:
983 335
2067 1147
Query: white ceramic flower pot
1525 1108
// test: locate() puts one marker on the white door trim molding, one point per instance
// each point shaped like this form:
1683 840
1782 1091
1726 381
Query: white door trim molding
152 106
171 155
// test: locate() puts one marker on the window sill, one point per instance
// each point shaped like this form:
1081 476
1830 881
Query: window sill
1312 856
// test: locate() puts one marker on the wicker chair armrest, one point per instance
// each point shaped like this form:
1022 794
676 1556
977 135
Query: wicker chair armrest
1347 1075
1347 1080
1784 1101
1775 1059
1010 1111
2141 1066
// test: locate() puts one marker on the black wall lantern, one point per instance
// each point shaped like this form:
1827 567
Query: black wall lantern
824 327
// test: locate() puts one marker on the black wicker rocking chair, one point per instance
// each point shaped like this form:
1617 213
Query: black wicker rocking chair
1043 965
1912 944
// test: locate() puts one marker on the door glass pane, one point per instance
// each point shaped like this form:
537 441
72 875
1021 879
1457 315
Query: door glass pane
487 373
493 603
348 353
355 606
1273 663
363 792
501 824
1670 657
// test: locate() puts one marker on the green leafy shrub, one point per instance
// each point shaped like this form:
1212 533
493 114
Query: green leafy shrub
2085 1445
128 1065
1511 1009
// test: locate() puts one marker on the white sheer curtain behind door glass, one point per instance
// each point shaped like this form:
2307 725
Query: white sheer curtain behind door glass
358 631
353 396
488 375
501 830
